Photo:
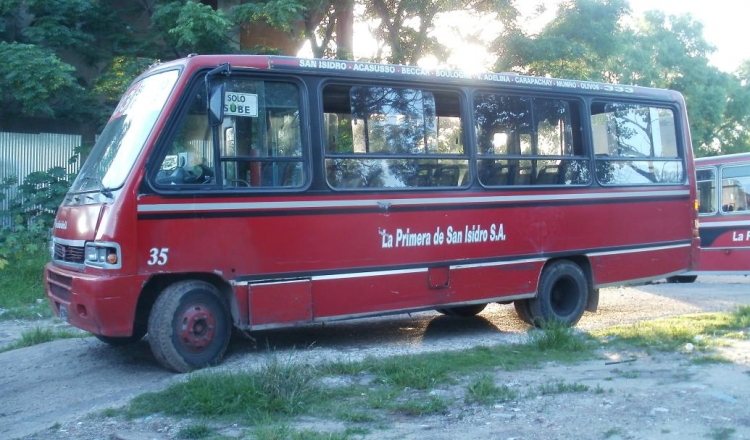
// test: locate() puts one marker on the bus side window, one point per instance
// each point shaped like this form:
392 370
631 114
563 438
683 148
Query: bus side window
706 180
735 188
189 160
262 148
391 137
529 141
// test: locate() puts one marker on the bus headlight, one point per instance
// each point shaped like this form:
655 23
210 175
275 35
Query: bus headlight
103 254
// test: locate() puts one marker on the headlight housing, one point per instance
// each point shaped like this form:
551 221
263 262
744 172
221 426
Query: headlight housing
105 255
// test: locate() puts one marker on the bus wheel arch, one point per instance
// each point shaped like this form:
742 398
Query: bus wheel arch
158 283
189 326
562 293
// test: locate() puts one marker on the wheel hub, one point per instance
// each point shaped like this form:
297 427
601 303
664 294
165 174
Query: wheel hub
196 328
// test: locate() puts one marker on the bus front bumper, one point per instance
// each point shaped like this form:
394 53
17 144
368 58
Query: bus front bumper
103 305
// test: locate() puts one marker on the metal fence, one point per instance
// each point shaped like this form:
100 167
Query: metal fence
24 153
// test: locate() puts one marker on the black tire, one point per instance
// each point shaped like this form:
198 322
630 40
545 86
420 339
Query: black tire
523 309
464 311
189 326
121 341
561 295
682 279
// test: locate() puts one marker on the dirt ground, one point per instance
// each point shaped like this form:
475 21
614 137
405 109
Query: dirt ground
49 390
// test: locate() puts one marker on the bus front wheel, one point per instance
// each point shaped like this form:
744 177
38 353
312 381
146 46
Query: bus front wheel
189 326
561 295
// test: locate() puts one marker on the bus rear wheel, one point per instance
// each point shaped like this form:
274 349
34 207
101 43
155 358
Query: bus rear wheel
189 326
561 295
464 311
523 310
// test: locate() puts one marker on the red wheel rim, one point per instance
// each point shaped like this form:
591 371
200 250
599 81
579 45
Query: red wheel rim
196 327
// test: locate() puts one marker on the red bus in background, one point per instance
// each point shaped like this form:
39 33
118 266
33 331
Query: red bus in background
724 195
262 192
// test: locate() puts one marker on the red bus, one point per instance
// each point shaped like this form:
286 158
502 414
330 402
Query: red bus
262 191
724 213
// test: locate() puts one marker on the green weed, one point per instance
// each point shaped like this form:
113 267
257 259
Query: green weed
39 335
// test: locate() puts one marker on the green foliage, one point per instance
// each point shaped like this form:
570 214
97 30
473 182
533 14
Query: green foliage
484 391
195 431
556 336
39 196
277 389
282 14
39 335
193 27
33 79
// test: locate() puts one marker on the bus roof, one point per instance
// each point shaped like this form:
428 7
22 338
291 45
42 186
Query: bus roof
358 69
723 159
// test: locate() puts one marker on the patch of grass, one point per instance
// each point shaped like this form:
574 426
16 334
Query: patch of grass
559 387
627 374
286 433
196 431
553 335
22 280
721 433
39 335
419 406
612 432
355 415
672 334
484 391
40 309
279 388
110 412
710 359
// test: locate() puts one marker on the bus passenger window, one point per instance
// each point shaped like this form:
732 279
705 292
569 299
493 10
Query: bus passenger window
395 138
529 141
735 188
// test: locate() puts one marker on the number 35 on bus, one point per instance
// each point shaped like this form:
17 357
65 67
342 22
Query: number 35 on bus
261 192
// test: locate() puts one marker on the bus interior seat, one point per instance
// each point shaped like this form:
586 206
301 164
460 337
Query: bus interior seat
495 175
548 175
446 176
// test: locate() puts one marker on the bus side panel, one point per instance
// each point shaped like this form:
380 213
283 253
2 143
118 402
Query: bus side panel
726 248
345 297
281 303
725 260
621 267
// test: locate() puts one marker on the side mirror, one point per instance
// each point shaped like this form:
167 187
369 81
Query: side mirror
216 105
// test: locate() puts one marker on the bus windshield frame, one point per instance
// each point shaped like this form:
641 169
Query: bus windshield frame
124 136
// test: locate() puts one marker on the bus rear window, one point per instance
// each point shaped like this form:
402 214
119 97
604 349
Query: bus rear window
389 137
635 144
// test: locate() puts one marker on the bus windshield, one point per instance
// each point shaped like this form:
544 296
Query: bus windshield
123 137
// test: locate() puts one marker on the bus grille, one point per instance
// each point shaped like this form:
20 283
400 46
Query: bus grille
68 254
59 285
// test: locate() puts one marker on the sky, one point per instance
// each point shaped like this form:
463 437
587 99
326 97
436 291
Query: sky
726 26
725 23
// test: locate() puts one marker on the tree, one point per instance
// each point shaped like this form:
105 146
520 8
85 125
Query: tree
577 43
405 27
